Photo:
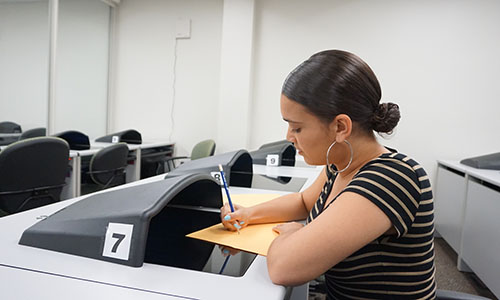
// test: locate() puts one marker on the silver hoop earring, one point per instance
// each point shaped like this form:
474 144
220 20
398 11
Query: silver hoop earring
328 153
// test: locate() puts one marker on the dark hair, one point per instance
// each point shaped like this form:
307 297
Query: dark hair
336 82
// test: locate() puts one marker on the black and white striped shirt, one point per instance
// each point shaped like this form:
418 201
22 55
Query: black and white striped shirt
400 266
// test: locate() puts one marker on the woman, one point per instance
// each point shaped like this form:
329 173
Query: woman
370 213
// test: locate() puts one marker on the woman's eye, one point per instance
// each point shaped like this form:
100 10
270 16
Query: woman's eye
296 130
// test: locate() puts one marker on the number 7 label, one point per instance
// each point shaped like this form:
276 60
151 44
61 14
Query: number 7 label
117 240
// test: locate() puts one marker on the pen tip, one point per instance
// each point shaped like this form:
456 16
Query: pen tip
220 167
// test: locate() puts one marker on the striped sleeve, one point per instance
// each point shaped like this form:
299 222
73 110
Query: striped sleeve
393 186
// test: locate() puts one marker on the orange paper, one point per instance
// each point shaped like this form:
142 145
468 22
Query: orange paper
253 238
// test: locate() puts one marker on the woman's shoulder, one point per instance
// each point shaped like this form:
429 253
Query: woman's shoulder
398 159
395 165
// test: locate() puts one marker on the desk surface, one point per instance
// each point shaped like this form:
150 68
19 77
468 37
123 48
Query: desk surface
143 145
16 134
9 138
76 276
96 146
490 176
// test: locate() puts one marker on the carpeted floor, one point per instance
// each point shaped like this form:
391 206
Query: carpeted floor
449 278
447 275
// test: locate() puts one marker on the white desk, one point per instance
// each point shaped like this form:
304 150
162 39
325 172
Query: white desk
18 264
16 281
73 182
310 172
133 170
9 138
31 272
467 203
72 187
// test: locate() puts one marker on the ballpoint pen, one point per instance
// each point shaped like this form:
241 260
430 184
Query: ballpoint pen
224 264
228 196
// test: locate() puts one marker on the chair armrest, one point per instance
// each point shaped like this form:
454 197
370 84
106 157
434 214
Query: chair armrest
170 161
175 158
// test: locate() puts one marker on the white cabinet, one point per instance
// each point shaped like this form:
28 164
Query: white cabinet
450 192
467 216
481 233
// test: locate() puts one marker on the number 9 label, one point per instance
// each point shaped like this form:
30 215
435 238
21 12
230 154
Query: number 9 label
272 159
117 241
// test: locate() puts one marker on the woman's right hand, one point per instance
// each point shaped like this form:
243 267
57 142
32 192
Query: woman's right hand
226 250
231 220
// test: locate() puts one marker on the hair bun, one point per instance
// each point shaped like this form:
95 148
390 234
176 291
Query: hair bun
386 117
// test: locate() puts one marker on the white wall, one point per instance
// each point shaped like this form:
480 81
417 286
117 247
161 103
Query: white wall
233 130
82 67
439 60
24 63
145 69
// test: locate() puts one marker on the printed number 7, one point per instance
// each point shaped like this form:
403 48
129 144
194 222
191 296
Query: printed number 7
120 238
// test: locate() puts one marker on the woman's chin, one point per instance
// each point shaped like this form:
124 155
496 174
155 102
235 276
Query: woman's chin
309 161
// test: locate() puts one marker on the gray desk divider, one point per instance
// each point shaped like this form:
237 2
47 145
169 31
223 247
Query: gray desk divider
129 136
76 139
237 166
489 161
118 226
284 149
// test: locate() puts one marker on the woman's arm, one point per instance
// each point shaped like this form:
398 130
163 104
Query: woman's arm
302 253
295 206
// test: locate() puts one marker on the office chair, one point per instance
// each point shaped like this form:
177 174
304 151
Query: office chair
31 133
452 295
76 140
10 127
107 166
32 173
202 149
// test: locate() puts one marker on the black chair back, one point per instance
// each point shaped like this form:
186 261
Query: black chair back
32 173
10 127
107 166
76 140
31 133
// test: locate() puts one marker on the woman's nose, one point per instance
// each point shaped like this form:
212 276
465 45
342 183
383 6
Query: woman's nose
289 136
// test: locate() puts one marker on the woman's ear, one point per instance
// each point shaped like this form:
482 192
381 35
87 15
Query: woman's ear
342 127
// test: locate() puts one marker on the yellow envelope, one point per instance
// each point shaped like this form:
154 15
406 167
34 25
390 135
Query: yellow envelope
253 238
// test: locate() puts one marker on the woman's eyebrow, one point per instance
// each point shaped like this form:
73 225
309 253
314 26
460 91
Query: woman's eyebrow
290 121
